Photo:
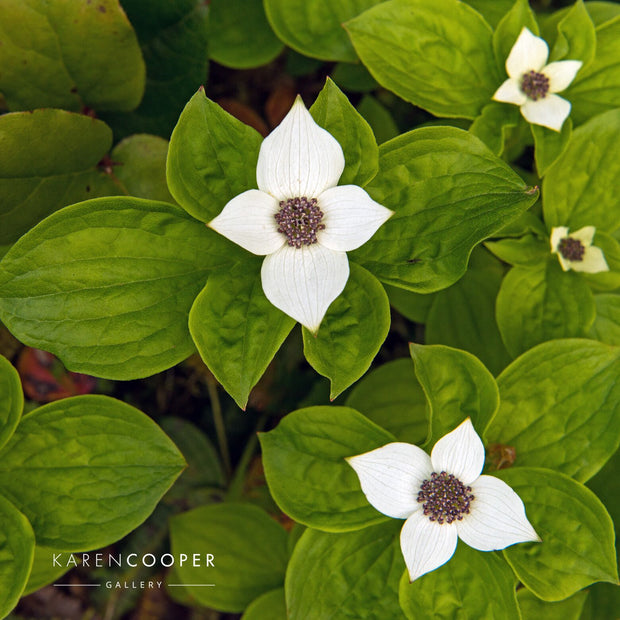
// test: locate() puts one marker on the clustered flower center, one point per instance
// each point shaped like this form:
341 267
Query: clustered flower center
571 249
445 498
300 220
535 85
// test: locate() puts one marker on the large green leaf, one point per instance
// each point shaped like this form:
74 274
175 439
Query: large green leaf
240 35
107 285
268 606
391 397
87 470
44 571
346 575
492 10
576 38
576 189
49 160
67 54
351 333
471 584
333 111
314 27
173 36
212 158
606 326
457 386
536 305
16 553
577 534
434 178
560 407
11 400
236 328
436 55
249 553
304 460
532 608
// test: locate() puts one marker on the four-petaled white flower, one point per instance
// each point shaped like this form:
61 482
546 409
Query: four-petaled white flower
575 250
442 497
532 83
299 219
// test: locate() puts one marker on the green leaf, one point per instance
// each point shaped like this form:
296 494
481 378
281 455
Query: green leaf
43 571
560 407
11 400
107 285
433 177
413 306
392 398
603 602
492 10
494 125
379 118
463 315
211 159
353 77
509 28
44 61
457 386
314 27
87 470
39 176
577 534
346 575
249 550
576 38
596 88
605 281
305 467
528 251
601 11
142 169
174 37
532 608
236 329
438 56
536 305
606 327
549 144
352 332
268 606
333 111
471 584
240 35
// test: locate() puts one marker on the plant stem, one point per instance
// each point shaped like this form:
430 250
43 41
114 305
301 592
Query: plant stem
220 428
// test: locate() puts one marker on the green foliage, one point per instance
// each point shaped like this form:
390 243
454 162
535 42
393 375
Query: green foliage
577 547
305 467
351 333
249 550
437 55
509 28
494 125
486 589
433 177
379 118
43 571
11 402
549 144
606 326
44 64
576 39
107 285
532 608
559 405
337 575
268 606
206 167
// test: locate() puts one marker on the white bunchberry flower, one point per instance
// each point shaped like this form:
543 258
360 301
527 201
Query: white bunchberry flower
532 83
575 250
299 219
443 498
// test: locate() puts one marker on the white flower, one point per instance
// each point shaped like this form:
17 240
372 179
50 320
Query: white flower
532 83
299 219
575 250
442 497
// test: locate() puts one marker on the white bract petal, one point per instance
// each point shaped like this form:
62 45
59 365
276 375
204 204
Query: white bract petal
391 476
593 261
351 217
550 111
303 282
248 220
426 545
585 235
557 234
298 158
561 74
497 517
460 453
510 92
529 53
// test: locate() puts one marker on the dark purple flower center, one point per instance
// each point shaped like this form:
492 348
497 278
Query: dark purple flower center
535 85
571 249
299 219
444 498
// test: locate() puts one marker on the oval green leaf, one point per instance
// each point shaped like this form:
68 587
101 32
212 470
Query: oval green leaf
11 400
606 326
268 606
